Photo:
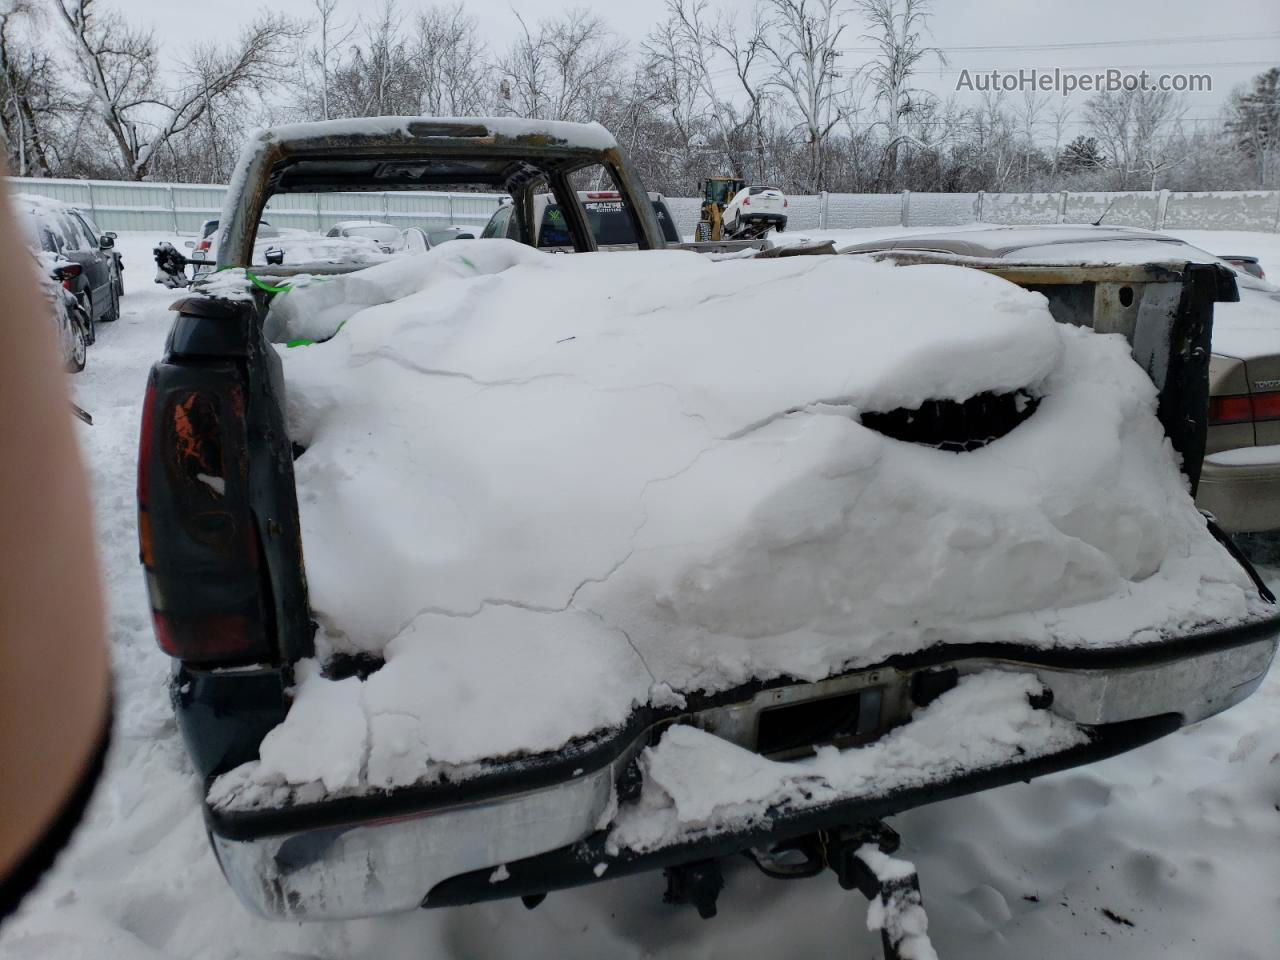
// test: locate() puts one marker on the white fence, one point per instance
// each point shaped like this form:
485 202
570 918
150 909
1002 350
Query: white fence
182 207
1154 210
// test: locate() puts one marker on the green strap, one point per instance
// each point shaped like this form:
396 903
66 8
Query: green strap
265 286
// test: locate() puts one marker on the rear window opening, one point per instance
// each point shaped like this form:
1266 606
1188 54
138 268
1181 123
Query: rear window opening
954 425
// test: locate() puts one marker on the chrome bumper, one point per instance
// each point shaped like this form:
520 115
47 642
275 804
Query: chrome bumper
386 865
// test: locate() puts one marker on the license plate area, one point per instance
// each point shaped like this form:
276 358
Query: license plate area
793 730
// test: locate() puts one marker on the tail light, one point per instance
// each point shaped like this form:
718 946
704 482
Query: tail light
603 195
1223 410
784 203
1243 409
1266 406
197 533
746 201
66 272
203 245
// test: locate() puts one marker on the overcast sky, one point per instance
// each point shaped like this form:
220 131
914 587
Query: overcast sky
1100 23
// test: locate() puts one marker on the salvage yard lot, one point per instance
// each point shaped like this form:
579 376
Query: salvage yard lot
1170 849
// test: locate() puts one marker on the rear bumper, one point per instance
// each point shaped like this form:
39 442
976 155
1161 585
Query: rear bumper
1244 498
542 819
750 216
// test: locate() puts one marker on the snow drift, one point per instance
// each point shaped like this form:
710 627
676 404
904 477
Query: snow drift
547 488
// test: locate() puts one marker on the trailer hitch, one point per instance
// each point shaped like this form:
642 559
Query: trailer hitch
860 857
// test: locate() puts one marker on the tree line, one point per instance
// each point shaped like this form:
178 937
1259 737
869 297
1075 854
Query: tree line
768 94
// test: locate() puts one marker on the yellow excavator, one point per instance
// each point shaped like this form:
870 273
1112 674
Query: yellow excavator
716 194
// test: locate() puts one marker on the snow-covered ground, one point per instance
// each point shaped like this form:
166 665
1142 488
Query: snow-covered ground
1168 851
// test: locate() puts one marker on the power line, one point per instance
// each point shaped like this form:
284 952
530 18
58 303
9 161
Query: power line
1093 68
1143 42
1179 67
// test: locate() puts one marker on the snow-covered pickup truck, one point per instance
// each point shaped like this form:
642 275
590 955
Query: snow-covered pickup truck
635 561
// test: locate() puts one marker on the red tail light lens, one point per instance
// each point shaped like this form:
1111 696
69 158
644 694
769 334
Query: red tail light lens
1242 409
1224 410
203 245
197 532
746 201
784 202
210 640
1266 406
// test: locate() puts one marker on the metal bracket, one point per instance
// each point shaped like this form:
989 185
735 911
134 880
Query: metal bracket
893 896
698 883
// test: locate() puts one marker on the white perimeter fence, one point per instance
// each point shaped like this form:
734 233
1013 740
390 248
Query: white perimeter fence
182 207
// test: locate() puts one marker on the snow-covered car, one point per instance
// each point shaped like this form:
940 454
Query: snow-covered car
63 231
72 324
756 205
441 235
626 563
392 239
1250 265
606 216
388 238
204 250
1240 478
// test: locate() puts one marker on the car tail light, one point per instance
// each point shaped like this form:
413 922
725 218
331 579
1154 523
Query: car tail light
746 201
1223 410
203 245
784 202
603 195
197 533
1266 406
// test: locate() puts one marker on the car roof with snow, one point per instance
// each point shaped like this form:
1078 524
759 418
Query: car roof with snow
47 223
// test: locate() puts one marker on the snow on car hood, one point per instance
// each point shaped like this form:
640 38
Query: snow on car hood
548 488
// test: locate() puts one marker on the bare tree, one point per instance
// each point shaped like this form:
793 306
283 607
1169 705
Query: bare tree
1253 121
1135 128
120 67
1061 117
561 70
896 27
803 40
1029 116
688 50
333 36
29 91
675 76
451 63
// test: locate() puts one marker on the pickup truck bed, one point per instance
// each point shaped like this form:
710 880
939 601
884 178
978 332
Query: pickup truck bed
334 790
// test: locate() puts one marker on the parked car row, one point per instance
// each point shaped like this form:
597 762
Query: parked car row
83 271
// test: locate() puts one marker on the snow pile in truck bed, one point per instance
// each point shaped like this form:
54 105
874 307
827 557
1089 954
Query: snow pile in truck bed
666 453
696 783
